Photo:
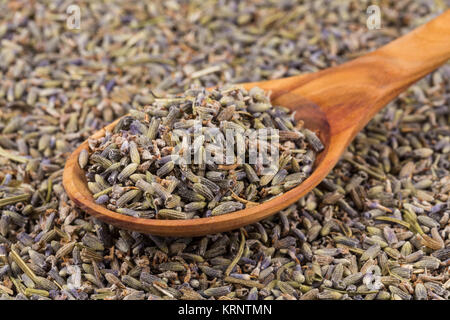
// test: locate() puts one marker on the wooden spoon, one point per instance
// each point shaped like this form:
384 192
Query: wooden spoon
336 102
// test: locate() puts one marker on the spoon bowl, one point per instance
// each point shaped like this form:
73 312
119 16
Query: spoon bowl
336 103
75 181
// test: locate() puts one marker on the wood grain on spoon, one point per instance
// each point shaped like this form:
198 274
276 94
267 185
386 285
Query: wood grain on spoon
338 102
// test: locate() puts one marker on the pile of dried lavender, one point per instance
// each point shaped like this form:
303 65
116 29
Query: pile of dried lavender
149 163
376 228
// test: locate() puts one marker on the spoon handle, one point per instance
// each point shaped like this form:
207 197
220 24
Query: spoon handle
402 62
352 93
